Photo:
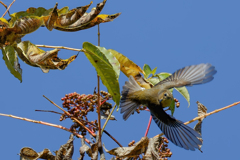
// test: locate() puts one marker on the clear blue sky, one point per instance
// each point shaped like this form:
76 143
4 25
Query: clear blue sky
164 34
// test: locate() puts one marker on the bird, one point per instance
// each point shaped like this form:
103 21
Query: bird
159 96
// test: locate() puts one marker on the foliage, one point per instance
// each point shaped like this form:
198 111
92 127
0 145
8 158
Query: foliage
25 22
107 62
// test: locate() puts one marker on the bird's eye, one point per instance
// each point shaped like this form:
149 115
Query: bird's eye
165 94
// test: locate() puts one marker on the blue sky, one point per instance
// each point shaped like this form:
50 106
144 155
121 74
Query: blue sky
164 34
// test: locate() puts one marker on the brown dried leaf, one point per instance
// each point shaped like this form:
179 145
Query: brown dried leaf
66 151
135 150
27 25
64 20
84 148
202 110
27 153
99 19
94 149
152 151
128 67
52 18
85 19
36 57
157 149
46 154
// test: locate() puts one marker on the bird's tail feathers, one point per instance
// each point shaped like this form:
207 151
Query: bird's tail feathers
180 134
126 104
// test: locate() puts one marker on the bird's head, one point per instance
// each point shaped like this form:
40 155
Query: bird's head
165 98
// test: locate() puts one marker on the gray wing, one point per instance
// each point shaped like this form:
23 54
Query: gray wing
188 76
175 130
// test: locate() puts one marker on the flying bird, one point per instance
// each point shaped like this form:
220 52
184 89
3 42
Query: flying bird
159 96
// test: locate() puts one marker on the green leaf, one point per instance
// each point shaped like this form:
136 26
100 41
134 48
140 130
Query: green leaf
112 59
154 71
104 69
154 81
163 75
160 76
11 61
147 70
184 92
172 107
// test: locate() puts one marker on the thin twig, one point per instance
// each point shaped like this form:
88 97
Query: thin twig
107 133
8 8
208 114
98 98
100 149
5 6
149 124
104 101
60 47
75 119
50 111
98 35
45 123
215 111
112 138
109 116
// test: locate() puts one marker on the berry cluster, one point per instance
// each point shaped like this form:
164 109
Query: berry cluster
79 105
177 102
164 152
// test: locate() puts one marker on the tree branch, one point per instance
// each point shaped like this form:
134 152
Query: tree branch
8 8
215 111
46 123
60 47
208 114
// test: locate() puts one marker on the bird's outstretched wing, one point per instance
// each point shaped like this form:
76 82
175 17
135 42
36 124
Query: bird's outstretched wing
188 76
176 131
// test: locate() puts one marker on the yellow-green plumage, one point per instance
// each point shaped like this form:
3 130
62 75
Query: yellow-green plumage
159 97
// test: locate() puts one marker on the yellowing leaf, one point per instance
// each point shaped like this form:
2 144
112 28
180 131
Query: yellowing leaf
27 25
128 67
3 20
36 57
